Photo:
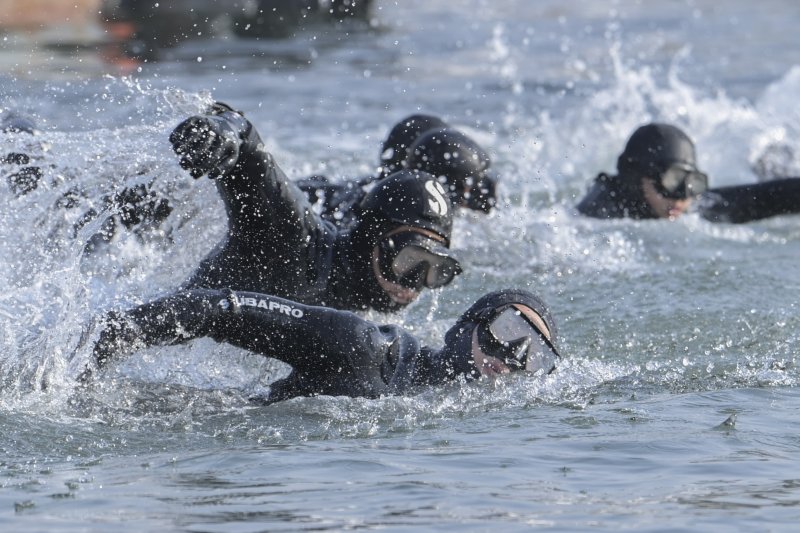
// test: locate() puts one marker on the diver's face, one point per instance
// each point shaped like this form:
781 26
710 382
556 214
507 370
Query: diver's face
490 366
397 292
662 206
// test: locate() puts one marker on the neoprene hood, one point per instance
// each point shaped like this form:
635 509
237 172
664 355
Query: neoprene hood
396 146
464 165
410 198
654 147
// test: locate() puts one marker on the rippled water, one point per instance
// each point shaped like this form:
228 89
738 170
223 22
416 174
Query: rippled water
675 410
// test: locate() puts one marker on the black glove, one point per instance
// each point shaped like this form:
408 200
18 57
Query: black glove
118 336
206 145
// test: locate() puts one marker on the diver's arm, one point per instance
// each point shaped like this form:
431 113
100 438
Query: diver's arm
259 198
309 338
174 319
743 203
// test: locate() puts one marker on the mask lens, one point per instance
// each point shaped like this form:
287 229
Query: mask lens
441 271
696 183
541 359
429 268
522 344
682 182
415 261
510 327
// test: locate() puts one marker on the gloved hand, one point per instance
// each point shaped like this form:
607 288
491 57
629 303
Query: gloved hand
117 337
206 145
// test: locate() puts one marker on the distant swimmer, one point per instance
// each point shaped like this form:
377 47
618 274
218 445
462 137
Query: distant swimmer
420 142
276 244
657 177
338 353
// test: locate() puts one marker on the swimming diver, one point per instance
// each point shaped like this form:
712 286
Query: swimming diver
277 245
422 142
338 353
657 177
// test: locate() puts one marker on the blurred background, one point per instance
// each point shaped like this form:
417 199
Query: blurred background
142 29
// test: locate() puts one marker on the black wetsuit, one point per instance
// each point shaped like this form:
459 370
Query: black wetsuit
614 197
277 245
331 352
337 202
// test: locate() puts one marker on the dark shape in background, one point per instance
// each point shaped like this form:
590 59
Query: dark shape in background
145 28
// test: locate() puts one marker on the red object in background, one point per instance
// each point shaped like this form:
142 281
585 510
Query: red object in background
26 15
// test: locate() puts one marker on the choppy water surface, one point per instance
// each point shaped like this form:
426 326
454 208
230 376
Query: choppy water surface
677 405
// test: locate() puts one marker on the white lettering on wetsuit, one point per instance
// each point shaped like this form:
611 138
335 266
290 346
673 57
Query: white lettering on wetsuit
263 304
437 202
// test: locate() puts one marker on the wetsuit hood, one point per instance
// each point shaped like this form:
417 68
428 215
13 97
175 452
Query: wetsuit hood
461 163
395 148
654 147
409 198
456 356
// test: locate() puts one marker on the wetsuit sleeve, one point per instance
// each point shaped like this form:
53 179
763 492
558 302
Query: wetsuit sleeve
259 199
174 319
743 203
320 343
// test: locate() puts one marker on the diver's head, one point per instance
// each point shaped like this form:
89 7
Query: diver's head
461 165
405 225
395 148
504 331
659 165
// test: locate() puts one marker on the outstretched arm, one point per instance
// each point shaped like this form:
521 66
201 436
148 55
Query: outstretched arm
743 203
259 199
316 341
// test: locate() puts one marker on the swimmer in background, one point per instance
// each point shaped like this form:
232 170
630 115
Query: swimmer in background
420 142
337 353
657 177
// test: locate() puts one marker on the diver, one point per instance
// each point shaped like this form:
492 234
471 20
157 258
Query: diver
335 352
276 244
657 177
421 142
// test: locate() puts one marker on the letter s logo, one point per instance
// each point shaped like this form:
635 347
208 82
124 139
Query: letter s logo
437 200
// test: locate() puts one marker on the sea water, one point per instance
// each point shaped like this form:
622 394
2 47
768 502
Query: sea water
676 407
